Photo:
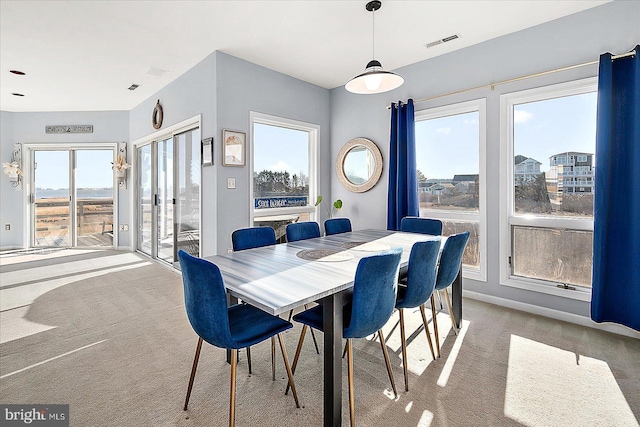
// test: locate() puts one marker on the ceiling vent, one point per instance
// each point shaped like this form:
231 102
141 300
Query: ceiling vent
440 41
134 86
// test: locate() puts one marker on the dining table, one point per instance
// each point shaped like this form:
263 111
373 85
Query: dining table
283 277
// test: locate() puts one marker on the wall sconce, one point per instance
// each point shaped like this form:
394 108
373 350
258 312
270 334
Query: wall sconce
120 166
12 169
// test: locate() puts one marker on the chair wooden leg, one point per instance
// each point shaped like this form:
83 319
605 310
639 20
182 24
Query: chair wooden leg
232 391
426 330
450 308
273 359
404 350
193 373
297 355
435 323
289 373
249 359
352 412
386 359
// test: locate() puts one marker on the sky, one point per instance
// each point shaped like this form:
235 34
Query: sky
449 145
93 169
278 149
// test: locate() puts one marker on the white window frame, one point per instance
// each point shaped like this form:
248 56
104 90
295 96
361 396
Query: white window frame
507 213
314 137
479 106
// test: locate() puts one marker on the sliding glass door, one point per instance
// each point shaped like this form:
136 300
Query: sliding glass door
72 197
51 198
165 200
169 196
145 199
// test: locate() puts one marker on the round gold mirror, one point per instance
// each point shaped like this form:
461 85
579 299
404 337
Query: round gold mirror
359 165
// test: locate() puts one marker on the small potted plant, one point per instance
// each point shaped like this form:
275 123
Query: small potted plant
337 205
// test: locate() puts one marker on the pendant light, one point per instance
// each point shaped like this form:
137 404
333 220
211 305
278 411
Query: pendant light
374 79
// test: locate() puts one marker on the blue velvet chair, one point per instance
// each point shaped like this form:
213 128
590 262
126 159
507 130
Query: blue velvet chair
448 268
249 238
419 286
337 226
238 326
413 224
302 231
253 237
370 307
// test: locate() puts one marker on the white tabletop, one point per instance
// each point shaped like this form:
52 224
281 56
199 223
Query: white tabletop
276 280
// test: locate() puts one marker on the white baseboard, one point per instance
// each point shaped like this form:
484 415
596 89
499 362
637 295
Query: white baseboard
553 314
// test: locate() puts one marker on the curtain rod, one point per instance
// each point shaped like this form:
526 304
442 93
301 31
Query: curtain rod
543 73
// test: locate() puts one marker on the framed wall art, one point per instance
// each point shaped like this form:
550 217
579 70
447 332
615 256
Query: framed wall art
233 148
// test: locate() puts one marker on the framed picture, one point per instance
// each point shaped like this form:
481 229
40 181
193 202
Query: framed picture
233 148
207 152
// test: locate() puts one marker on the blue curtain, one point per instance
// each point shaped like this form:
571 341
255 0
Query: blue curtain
403 182
616 237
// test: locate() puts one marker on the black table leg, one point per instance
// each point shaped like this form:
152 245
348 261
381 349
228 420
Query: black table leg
332 327
231 300
456 298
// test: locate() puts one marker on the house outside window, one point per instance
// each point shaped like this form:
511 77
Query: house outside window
547 223
284 169
450 153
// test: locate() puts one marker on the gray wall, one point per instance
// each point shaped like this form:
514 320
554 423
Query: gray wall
10 212
108 126
224 89
189 95
244 87
575 39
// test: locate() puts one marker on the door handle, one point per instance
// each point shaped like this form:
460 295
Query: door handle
155 200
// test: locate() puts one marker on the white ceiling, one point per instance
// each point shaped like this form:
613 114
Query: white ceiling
83 55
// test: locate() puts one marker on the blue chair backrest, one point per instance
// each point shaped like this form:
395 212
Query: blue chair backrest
205 300
421 274
414 224
450 259
374 293
253 237
302 231
337 225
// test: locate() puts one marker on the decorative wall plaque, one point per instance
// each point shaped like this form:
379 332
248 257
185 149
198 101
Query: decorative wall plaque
157 116
69 129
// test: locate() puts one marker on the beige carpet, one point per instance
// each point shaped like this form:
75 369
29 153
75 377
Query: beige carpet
106 332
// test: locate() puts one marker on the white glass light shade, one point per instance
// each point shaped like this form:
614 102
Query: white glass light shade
374 80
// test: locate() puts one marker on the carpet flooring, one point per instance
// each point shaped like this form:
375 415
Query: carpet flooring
106 332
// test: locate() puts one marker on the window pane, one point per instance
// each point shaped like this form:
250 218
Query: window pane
447 153
187 206
471 256
554 146
281 167
558 255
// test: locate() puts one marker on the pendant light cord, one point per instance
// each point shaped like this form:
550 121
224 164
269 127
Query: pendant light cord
373 36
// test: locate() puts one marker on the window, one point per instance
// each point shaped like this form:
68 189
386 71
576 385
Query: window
283 159
450 153
547 223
